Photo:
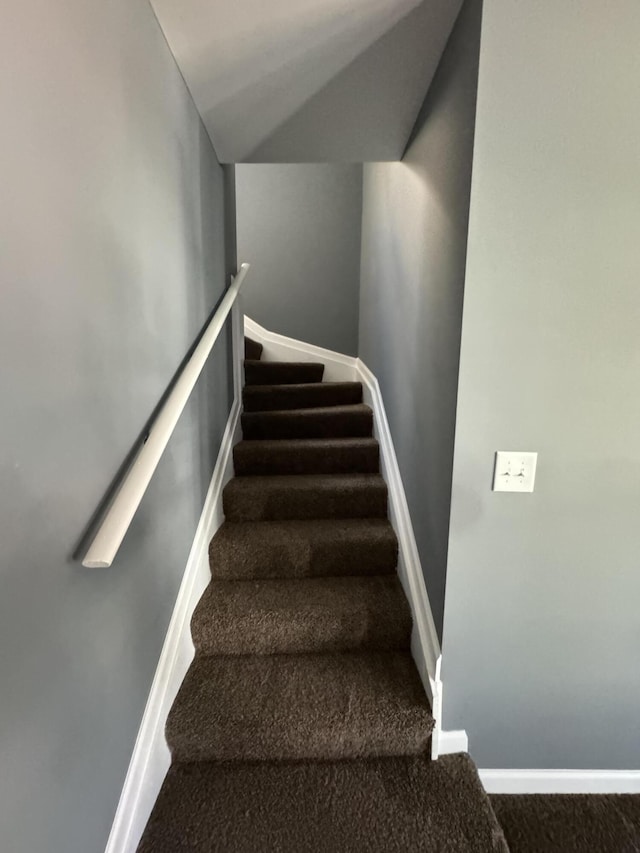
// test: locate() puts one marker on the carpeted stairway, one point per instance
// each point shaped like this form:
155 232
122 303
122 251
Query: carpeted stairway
302 724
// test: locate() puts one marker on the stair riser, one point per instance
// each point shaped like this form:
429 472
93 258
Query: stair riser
315 616
276 373
273 398
299 707
283 635
252 349
260 425
283 554
291 504
323 747
257 460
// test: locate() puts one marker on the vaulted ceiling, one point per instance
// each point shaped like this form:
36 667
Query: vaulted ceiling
286 81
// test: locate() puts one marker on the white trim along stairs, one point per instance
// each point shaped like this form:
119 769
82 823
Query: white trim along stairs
533 781
151 759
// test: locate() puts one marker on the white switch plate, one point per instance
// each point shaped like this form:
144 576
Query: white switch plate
515 471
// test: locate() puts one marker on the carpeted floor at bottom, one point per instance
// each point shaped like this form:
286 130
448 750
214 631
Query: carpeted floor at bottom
389 805
569 823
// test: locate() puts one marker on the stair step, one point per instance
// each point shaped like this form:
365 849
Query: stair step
267 398
282 372
252 349
379 805
292 707
307 456
327 422
271 617
281 549
305 496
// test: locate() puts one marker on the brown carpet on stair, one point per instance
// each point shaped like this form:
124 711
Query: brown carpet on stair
281 372
252 349
321 422
307 456
283 549
267 398
306 706
392 805
569 823
293 616
302 723
305 496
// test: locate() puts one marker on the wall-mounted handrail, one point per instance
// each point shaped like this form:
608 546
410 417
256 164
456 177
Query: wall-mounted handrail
127 500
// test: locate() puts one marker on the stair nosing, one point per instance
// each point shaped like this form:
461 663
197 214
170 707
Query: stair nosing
315 411
302 442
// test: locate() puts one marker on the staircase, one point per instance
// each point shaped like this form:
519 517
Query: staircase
302 724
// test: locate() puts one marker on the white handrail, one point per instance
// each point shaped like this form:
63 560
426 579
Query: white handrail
127 500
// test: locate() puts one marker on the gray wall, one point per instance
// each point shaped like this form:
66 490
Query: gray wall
542 632
308 81
112 258
299 226
415 216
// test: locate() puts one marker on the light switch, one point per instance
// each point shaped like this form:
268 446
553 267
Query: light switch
515 471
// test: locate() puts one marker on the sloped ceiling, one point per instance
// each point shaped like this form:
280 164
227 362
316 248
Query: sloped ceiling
288 81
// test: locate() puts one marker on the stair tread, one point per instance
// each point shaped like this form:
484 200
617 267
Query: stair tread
264 498
309 482
293 548
269 397
381 805
303 706
311 422
311 411
294 364
297 444
282 372
307 456
287 616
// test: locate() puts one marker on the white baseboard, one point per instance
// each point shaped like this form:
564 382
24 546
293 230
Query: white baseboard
453 741
561 781
150 760
425 646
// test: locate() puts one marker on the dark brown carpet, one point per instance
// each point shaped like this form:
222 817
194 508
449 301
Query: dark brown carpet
393 805
269 398
252 349
305 496
293 616
569 823
302 723
307 456
281 372
324 422
298 549
270 707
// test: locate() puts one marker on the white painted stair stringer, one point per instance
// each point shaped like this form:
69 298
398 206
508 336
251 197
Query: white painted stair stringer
150 759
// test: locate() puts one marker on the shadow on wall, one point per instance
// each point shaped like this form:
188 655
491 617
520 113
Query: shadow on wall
299 64
380 116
